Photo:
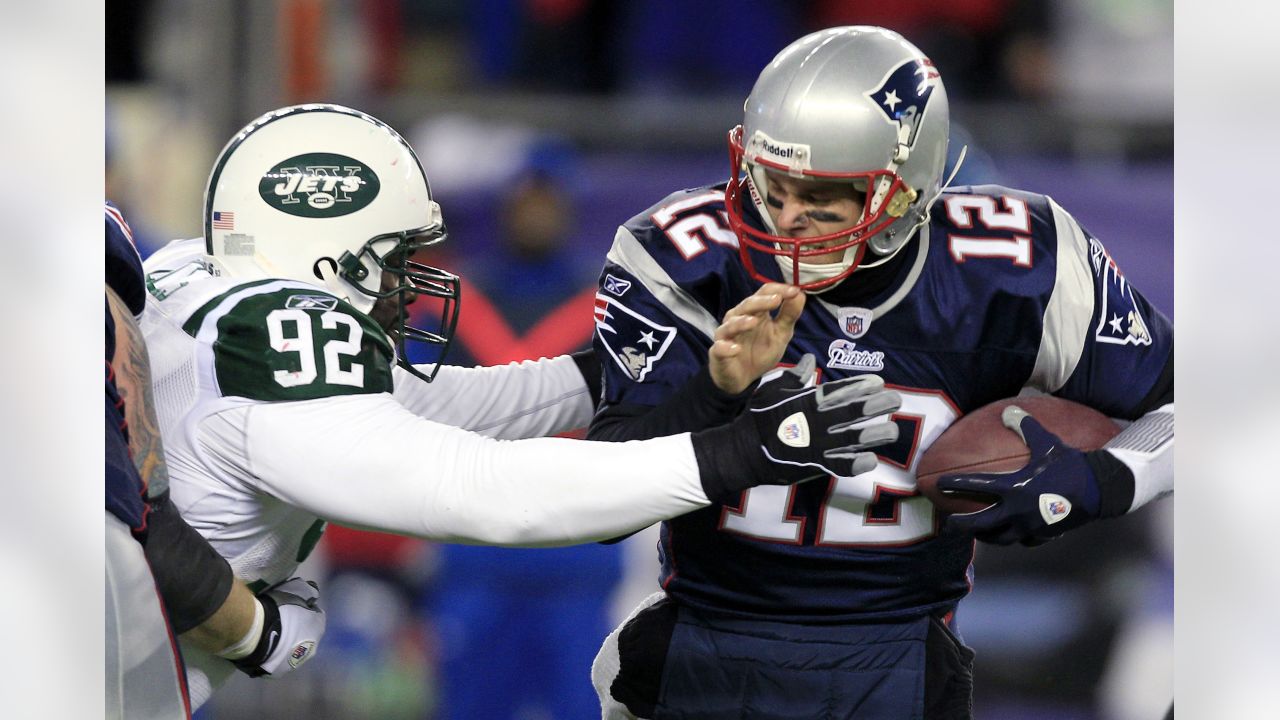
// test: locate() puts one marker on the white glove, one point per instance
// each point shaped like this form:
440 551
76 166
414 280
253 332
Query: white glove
293 624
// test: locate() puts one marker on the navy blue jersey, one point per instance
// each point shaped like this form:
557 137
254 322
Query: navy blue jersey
126 493
125 490
1001 290
123 264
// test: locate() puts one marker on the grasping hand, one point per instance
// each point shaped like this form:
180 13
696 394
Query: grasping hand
751 338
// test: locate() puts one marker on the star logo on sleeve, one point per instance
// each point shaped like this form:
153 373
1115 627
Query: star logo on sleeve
1115 324
634 342
1119 319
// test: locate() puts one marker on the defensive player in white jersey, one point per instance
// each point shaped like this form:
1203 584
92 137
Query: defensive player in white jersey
285 399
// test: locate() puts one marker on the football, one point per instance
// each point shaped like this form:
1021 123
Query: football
979 442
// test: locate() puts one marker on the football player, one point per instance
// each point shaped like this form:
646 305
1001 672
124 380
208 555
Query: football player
286 399
835 599
163 578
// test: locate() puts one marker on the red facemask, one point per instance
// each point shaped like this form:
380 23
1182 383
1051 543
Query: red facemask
873 220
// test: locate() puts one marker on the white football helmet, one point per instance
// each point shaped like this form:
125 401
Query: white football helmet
329 195
851 103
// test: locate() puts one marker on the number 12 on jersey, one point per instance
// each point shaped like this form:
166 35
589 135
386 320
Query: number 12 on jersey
880 507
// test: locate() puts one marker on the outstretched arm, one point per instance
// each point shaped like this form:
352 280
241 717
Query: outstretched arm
364 460
534 398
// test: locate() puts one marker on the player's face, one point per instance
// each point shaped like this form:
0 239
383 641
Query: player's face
386 311
808 208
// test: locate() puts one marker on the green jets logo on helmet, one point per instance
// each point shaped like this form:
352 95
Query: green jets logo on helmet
319 185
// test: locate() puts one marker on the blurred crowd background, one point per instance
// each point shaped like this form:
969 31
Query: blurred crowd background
543 125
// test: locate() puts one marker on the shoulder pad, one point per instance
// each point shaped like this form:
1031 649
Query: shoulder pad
285 340
1008 230
687 235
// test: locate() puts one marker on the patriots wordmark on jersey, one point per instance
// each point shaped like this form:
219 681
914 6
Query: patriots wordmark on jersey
1001 290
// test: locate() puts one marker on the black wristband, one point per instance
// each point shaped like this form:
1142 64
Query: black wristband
1115 483
591 371
193 579
722 454
251 664
697 405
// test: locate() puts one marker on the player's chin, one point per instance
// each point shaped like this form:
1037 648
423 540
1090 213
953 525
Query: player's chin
824 259
387 321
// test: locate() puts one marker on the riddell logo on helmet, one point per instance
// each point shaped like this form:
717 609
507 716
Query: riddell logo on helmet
795 155
779 151
319 185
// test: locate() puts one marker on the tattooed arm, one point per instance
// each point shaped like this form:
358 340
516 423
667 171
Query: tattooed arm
206 605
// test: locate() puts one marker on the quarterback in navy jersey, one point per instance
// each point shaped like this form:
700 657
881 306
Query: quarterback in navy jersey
833 599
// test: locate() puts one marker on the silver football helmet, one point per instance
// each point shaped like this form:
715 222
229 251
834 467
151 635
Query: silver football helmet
857 104
331 196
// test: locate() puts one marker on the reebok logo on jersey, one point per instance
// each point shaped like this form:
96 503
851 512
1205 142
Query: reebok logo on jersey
319 185
311 302
615 286
794 431
301 653
1054 508
846 356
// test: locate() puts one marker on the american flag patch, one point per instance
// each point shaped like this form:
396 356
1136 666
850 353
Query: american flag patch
224 220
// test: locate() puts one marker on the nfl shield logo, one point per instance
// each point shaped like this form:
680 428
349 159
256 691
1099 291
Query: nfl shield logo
855 321
1054 508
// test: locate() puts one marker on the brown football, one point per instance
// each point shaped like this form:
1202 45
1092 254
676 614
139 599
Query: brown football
979 442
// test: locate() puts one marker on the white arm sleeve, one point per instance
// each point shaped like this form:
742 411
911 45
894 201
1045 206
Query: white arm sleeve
1146 448
365 460
534 398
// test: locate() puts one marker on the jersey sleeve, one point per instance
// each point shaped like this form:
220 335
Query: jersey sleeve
534 398
662 292
282 341
368 462
1103 344
123 264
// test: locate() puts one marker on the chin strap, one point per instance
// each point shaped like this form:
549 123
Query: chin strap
924 216
964 150
334 283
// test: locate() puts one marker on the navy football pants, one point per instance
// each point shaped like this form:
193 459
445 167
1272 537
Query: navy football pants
668 661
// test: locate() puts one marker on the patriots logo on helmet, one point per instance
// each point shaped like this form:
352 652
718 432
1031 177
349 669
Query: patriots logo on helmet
904 94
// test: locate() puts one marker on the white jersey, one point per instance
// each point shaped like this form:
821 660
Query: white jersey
280 408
